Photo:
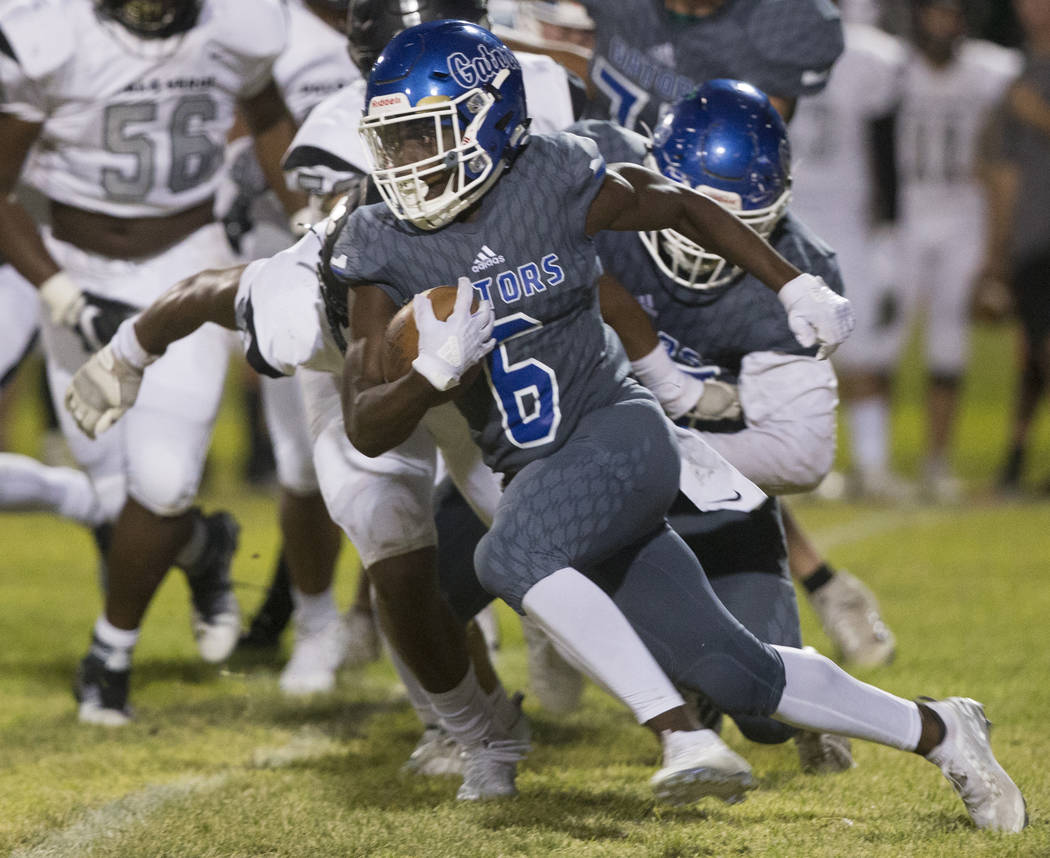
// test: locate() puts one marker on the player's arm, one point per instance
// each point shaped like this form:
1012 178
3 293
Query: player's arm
1000 180
91 317
20 242
679 393
107 385
634 198
273 129
378 414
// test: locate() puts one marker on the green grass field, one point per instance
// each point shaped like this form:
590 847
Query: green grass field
218 764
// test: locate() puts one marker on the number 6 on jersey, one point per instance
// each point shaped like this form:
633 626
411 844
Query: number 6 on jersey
526 390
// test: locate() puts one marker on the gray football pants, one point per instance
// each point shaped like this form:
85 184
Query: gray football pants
598 504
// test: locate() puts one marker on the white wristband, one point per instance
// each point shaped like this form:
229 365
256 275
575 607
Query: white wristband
435 371
677 391
62 297
127 348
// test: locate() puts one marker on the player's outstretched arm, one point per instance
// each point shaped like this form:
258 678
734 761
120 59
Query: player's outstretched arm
107 385
634 198
679 393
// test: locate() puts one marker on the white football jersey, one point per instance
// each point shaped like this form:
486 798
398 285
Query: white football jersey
941 114
133 127
315 62
332 126
831 163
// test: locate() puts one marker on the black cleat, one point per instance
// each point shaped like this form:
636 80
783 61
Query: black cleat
102 693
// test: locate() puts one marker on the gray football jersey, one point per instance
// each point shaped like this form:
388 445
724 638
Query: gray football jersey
713 327
646 57
527 252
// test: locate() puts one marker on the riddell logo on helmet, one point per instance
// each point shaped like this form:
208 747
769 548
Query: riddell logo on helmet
381 101
482 67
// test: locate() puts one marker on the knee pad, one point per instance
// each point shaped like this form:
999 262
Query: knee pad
737 688
285 413
765 731
295 465
167 487
509 579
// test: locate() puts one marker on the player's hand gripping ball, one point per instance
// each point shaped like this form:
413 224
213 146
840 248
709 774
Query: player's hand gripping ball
444 339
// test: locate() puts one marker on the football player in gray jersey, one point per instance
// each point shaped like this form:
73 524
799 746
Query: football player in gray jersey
727 140
649 54
589 464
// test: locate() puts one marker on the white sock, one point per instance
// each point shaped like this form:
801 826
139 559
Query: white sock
593 634
26 484
118 643
314 612
465 711
417 695
191 552
506 713
819 695
869 422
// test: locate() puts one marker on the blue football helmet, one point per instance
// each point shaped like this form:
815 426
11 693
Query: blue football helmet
726 140
444 115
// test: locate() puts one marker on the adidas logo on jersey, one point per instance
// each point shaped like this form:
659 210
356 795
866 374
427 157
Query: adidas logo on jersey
486 259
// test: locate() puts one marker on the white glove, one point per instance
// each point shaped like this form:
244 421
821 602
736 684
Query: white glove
719 400
447 349
816 314
107 384
91 317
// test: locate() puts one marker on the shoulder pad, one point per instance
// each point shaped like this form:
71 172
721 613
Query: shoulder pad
327 150
37 35
615 142
803 34
995 58
251 28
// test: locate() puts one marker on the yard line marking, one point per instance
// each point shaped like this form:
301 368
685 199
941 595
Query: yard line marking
118 816
134 809
876 524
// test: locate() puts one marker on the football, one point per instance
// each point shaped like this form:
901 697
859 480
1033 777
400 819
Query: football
401 342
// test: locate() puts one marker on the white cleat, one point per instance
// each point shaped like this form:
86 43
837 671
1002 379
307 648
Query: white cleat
217 635
965 757
315 659
556 684
697 763
490 770
849 613
436 754
823 753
